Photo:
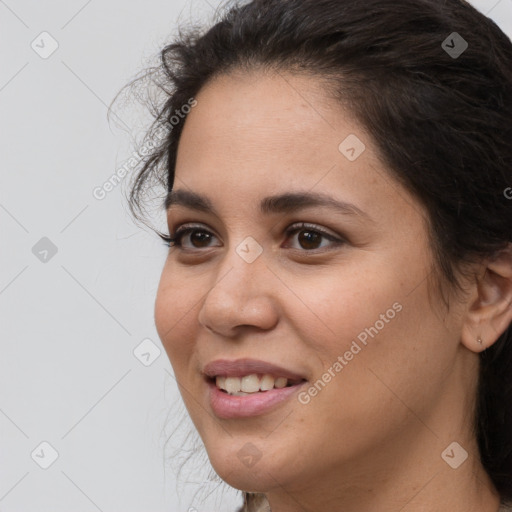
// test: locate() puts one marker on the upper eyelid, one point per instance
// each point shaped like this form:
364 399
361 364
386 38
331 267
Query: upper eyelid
185 226
192 225
294 226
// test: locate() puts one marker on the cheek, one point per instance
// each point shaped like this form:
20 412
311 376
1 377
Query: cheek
380 323
387 348
174 317
338 307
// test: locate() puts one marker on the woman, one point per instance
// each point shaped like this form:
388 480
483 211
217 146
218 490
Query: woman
337 298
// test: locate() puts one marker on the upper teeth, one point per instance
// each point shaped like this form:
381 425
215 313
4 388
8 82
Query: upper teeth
250 383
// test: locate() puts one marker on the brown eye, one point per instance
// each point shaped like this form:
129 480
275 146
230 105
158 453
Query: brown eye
310 237
198 238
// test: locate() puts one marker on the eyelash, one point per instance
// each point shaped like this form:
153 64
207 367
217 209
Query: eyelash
174 239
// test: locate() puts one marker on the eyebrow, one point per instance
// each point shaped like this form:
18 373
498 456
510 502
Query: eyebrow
282 203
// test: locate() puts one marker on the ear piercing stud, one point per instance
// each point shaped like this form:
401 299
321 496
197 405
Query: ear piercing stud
479 340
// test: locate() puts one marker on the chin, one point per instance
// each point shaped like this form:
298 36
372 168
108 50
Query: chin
245 468
247 479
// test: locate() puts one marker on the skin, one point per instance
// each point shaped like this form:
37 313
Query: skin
372 438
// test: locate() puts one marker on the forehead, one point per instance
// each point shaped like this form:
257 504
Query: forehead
274 125
252 136
267 108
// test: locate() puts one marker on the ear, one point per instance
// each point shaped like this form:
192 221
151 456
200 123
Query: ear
489 311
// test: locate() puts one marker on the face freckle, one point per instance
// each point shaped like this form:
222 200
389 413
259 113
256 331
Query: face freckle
365 301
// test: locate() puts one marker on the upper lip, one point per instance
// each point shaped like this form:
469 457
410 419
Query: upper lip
242 367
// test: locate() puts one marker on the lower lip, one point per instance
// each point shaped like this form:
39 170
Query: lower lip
230 406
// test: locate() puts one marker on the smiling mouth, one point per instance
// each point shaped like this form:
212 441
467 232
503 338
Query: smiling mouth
252 384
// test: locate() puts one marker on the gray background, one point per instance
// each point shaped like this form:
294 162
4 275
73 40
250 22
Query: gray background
72 320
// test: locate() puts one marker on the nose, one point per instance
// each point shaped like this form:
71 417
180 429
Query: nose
241 297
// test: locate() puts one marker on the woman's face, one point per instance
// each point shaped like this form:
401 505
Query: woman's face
339 307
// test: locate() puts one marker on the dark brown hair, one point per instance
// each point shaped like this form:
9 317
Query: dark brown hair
442 123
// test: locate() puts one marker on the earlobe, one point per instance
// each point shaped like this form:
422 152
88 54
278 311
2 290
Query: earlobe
489 311
474 342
